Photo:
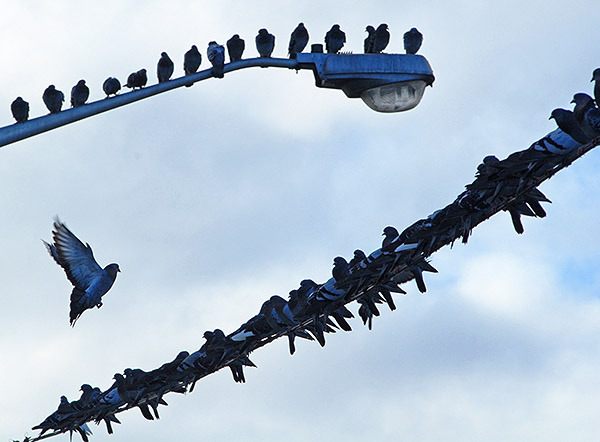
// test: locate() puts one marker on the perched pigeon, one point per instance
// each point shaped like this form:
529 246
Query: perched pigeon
587 114
596 80
164 68
137 79
20 110
235 47
90 281
53 99
413 40
111 86
334 39
370 39
298 40
216 56
382 38
390 234
265 43
359 261
340 269
192 60
566 121
79 94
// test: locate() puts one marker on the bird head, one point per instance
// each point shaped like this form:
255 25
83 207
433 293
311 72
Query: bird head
235 36
51 87
370 29
163 54
581 99
390 231
86 387
359 254
194 47
335 28
263 31
382 27
118 377
596 75
112 269
81 83
338 260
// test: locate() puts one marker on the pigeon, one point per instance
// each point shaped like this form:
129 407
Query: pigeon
334 39
137 79
192 60
90 281
596 79
566 121
413 40
20 110
298 40
237 368
390 234
79 94
381 39
216 56
370 39
111 86
340 269
164 68
587 114
235 47
265 43
359 260
53 99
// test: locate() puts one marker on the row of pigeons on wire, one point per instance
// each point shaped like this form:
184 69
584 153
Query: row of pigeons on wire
315 309
376 42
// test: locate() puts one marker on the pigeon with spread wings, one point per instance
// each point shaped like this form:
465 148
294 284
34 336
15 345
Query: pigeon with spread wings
90 281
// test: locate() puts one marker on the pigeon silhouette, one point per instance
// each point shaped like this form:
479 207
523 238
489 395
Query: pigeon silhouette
137 79
368 45
298 40
235 47
334 39
216 56
20 110
265 43
164 68
587 114
111 86
90 281
79 94
381 39
413 40
566 121
53 99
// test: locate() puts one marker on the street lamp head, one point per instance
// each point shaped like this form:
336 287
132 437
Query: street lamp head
385 82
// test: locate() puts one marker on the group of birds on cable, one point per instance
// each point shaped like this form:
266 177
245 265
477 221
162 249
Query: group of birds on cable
312 310
376 42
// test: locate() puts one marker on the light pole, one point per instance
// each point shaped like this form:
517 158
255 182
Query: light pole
385 82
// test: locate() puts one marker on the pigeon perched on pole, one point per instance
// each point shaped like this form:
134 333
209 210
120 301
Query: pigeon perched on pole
137 79
413 40
566 121
53 99
334 40
216 56
90 281
368 45
381 39
191 62
596 80
390 235
298 40
20 110
164 68
340 269
111 86
587 114
235 47
79 94
265 43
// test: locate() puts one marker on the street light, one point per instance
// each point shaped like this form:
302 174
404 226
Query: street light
385 82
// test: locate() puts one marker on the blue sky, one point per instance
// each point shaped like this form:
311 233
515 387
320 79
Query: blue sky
215 197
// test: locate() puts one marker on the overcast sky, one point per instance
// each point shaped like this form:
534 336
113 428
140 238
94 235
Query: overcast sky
215 197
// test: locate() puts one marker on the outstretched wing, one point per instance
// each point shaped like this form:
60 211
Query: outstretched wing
75 258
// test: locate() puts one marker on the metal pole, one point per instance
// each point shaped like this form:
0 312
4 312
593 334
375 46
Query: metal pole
35 126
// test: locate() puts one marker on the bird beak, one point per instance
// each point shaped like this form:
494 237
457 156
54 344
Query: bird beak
591 81
550 117
573 101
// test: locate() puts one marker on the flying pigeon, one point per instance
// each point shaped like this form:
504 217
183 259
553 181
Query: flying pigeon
390 234
413 40
216 56
53 99
587 114
381 39
111 86
20 110
298 40
235 47
369 40
79 94
265 43
164 68
596 79
137 79
334 39
566 121
90 281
